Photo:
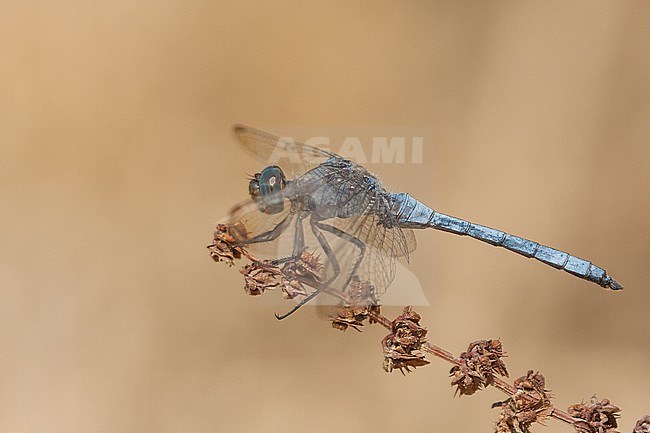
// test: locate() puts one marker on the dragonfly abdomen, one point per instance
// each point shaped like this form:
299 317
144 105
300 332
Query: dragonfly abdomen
411 213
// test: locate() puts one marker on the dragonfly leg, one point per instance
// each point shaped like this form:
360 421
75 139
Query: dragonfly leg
330 256
299 236
348 237
300 304
298 242
315 228
272 234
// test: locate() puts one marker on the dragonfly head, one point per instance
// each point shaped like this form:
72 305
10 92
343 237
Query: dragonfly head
266 189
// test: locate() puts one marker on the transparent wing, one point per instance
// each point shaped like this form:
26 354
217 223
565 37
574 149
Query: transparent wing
292 156
377 265
383 246
247 223
394 242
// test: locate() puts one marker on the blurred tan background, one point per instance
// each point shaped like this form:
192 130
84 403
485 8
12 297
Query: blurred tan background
117 158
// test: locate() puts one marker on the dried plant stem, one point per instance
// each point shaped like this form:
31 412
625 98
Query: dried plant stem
406 345
441 353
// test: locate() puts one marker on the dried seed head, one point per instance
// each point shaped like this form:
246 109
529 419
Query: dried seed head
466 380
642 425
222 248
360 303
402 346
259 277
306 267
353 318
292 289
361 293
530 403
478 366
298 271
595 416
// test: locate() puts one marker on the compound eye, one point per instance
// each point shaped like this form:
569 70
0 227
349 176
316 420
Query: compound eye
270 185
271 180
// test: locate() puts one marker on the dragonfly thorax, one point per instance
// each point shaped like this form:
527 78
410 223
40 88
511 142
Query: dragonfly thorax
266 189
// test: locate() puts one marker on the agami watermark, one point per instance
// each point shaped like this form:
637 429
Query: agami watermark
381 149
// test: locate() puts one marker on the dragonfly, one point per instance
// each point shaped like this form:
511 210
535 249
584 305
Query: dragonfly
338 208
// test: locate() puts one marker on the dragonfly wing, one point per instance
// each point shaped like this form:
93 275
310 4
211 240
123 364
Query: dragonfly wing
292 156
378 260
246 223
393 241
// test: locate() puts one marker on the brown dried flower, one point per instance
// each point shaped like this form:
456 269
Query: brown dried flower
222 248
402 346
304 269
530 403
595 416
292 289
259 277
642 425
360 303
478 366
